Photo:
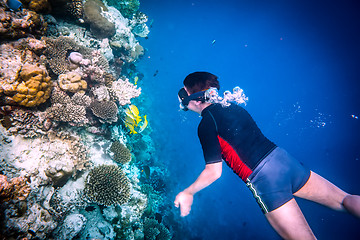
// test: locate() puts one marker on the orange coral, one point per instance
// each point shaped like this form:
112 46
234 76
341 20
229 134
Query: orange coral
15 189
32 87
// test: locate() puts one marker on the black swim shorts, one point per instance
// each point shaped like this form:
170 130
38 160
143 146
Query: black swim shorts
276 178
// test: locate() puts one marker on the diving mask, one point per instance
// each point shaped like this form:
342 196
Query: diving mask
185 98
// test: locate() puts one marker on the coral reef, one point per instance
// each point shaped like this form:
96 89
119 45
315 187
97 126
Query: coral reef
20 24
127 7
32 88
16 189
107 185
121 152
71 82
153 230
71 226
105 110
57 51
65 109
99 25
123 91
40 6
23 80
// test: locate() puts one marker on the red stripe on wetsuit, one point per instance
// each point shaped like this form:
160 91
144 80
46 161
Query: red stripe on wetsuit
233 160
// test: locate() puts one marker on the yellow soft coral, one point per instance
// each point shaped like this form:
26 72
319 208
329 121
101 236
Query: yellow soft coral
132 120
32 87
71 82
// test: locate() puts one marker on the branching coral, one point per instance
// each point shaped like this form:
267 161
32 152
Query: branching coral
153 230
121 152
106 110
123 91
107 185
20 24
27 123
66 109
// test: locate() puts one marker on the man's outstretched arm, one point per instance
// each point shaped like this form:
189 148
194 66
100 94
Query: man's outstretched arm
209 175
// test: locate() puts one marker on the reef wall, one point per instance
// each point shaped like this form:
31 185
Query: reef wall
77 157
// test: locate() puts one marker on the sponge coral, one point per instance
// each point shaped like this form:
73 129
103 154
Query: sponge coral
31 88
121 152
107 185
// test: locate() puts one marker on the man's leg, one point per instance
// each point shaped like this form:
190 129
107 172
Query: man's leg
289 222
320 190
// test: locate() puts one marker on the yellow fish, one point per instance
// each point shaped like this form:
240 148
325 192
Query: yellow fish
144 125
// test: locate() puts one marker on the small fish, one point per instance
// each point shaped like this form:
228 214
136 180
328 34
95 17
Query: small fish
136 79
14 5
146 170
156 72
213 42
158 217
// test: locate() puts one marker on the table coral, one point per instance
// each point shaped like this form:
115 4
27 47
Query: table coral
121 152
71 82
14 25
123 91
105 110
107 185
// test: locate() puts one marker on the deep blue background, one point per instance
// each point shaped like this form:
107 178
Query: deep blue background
298 62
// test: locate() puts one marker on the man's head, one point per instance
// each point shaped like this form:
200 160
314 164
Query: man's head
200 81
193 94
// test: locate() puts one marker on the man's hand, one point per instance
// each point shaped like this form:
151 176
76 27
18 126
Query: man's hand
184 200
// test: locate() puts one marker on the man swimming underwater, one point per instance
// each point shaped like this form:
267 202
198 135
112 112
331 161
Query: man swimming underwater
227 132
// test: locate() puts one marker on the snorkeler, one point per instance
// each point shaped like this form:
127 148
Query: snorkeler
228 132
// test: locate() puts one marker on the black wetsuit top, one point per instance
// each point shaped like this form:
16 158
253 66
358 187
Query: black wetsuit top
230 133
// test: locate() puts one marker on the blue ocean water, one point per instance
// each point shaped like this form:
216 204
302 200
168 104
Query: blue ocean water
298 62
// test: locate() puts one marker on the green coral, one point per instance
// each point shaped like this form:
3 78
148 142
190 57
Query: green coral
127 7
107 185
121 152
153 230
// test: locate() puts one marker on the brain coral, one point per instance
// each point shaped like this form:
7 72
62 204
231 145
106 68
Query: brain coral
106 110
107 185
121 152
71 82
31 87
